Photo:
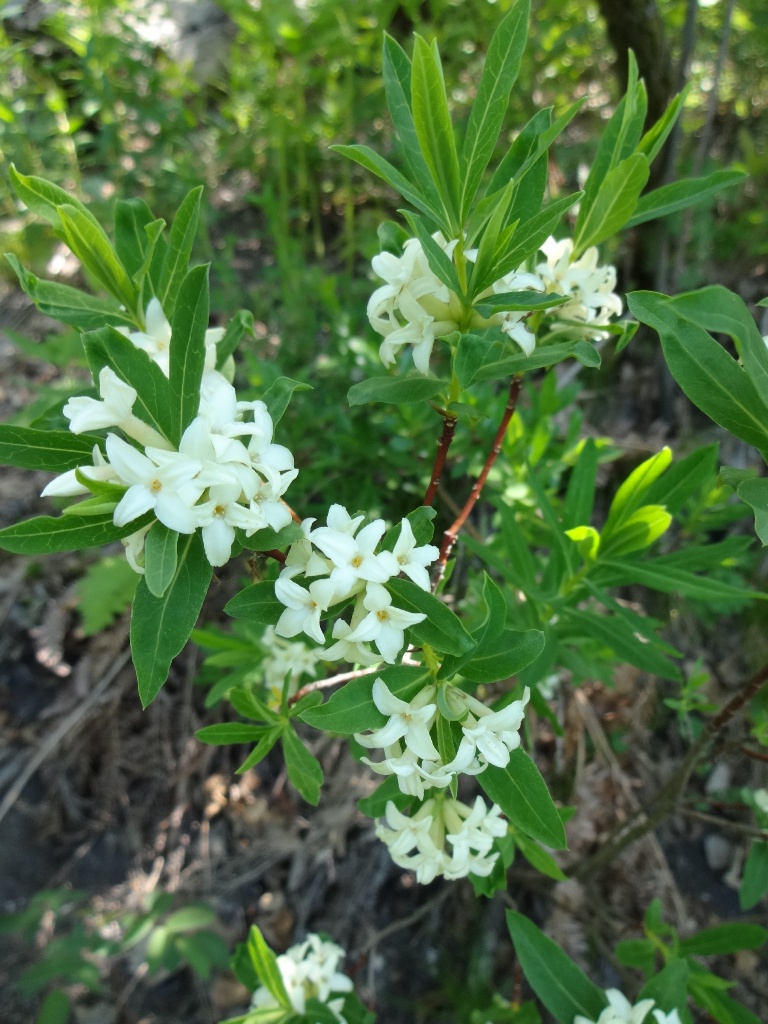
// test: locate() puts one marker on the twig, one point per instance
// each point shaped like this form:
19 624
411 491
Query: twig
450 535
754 754
279 556
58 734
321 684
406 922
294 515
725 823
668 796
443 444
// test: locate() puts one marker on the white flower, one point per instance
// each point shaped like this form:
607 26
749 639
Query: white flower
620 1010
409 722
412 778
489 736
156 339
384 625
354 558
673 1017
591 287
134 549
294 659
303 607
413 560
343 650
115 409
159 480
218 518
309 970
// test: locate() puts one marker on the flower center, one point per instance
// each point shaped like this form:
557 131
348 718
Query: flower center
219 510
156 485
357 561
382 615
402 560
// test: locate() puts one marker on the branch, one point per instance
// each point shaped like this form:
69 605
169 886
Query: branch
443 444
342 677
451 534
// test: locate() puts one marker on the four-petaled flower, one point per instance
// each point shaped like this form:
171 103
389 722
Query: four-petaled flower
384 625
409 722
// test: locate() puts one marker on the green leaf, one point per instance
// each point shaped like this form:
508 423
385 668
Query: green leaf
637 531
257 603
187 349
440 263
351 708
719 1005
639 953
631 495
683 479
95 252
54 450
615 634
230 733
507 301
69 305
680 195
580 496
529 237
104 592
131 219
489 629
669 987
267 539
180 241
303 769
540 858
278 396
724 938
432 121
755 493
502 64
262 748
55 1009
371 160
522 794
441 629
563 988
160 626
190 918
47 534
239 327
614 204
657 135
713 381
754 883
525 145
670 579
160 557
154 404
422 525
265 965
503 656
547 355
396 390
396 71
474 352
44 198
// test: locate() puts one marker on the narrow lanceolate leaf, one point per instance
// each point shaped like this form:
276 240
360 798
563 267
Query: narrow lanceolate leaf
441 629
240 326
434 130
671 580
278 395
755 493
265 965
160 557
439 262
69 305
46 534
724 938
396 71
368 158
230 733
187 351
681 194
522 794
614 203
257 603
504 656
563 988
619 637
395 390
754 883
94 250
303 768
44 198
180 241
154 405
131 219
54 450
160 626
547 355
499 74
713 381
529 237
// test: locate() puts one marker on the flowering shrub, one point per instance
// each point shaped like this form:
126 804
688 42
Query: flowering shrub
194 478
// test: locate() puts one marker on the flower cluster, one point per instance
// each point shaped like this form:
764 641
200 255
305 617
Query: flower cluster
226 474
419 842
284 658
342 562
488 737
593 301
621 1011
309 971
415 308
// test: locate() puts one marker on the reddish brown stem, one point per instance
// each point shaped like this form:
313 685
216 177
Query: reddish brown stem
294 515
443 444
279 556
452 533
